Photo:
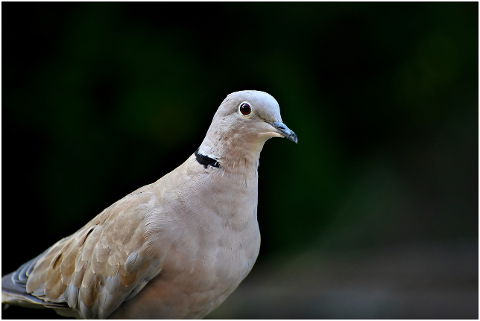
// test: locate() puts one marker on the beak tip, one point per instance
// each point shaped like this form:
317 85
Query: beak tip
293 138
285 131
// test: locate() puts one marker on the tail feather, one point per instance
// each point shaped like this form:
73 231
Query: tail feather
14 289
16 294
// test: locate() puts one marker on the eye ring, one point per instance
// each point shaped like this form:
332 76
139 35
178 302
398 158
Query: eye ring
245 109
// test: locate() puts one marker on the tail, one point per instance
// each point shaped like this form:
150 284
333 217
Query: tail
14 289
14 294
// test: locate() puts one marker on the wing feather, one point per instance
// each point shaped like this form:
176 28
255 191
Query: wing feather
99 267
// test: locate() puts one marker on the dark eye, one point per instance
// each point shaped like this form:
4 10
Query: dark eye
245 109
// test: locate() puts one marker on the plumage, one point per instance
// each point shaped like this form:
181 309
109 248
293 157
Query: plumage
175 248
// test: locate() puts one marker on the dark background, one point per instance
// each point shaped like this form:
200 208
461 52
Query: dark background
374 214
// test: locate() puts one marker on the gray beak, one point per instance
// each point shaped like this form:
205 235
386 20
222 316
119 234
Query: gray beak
283 130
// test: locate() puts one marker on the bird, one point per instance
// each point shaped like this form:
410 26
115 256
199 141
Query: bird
175 248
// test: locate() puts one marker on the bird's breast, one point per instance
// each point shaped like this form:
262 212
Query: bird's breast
209 238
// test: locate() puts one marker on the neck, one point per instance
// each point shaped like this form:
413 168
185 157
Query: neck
229 153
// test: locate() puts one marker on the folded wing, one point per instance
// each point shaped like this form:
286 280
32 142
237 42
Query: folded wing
90 273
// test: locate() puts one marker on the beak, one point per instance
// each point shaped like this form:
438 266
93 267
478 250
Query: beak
283 130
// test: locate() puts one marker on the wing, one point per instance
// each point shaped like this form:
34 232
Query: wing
99 267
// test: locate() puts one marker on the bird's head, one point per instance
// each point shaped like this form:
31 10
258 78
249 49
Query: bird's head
244 121
253 113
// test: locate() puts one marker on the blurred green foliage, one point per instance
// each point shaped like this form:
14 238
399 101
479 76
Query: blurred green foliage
102 98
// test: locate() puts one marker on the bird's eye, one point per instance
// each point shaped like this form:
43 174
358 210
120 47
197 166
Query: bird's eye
245 109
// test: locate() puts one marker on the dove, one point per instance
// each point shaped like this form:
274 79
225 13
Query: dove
176 248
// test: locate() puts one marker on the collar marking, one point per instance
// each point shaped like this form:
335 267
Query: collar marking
206 160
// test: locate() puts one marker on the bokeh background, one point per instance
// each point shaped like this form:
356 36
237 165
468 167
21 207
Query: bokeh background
374 214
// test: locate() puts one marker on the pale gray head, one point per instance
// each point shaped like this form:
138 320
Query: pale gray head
244 121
